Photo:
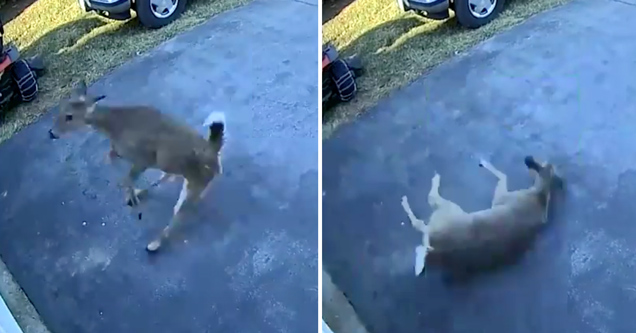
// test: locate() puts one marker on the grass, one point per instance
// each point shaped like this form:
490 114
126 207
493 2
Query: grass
77 45
397 48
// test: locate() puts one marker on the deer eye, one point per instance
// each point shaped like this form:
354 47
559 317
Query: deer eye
69 117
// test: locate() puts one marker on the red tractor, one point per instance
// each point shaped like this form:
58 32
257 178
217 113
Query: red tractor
338 77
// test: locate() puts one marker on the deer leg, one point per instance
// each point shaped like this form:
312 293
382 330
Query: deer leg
436 201
129 185
111 155
418 224
165 177
189 195
421 251
502 183
141 193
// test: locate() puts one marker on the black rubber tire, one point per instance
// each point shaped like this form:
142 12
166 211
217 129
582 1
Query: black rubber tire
466 18
36 63
148 19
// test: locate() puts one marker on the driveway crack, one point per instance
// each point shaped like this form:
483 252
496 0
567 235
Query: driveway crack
306 3
625 3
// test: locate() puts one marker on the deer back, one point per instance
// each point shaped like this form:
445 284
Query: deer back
147 137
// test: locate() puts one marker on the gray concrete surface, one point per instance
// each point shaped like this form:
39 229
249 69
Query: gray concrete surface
337 312
560 86
326 328
247 261
8 324
17 310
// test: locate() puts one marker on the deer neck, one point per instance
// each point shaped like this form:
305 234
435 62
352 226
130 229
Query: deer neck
540 185
541 188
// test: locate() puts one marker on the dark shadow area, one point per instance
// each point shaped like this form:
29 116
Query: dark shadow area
397 52
380 67
49 46
331 8
10 9
70 54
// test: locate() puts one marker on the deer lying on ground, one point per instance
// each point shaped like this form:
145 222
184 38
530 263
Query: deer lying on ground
148 139
454 239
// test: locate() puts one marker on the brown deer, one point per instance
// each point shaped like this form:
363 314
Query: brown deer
149 139
454 237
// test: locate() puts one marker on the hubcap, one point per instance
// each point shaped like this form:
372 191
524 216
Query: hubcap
481 8
163 8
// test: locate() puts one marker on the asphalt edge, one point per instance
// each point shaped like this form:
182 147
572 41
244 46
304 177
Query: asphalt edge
337 311
19 304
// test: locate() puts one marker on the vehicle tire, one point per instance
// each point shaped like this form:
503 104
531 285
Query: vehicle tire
82 5
469 15
158 13
402 6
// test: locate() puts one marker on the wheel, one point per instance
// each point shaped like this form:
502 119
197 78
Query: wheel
328 95
476 13
402 6
37 65
82 5
158 13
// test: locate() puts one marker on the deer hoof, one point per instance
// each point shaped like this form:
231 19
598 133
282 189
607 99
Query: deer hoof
153 246
132 200
111 156
436 179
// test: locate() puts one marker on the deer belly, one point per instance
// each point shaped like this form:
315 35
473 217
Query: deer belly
480 244
137 155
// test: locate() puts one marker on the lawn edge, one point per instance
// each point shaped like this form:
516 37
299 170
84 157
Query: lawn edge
89 83
329 128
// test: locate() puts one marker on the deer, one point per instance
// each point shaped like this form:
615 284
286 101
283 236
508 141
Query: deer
458 241
149 139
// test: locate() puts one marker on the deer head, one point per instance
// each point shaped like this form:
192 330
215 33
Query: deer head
74 111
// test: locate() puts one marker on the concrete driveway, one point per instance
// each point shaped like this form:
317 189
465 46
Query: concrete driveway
247 262
561 87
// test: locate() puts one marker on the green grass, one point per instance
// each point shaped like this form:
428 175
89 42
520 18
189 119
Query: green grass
397 48
77 45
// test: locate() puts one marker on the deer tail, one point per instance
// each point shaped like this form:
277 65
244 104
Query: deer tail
216 123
